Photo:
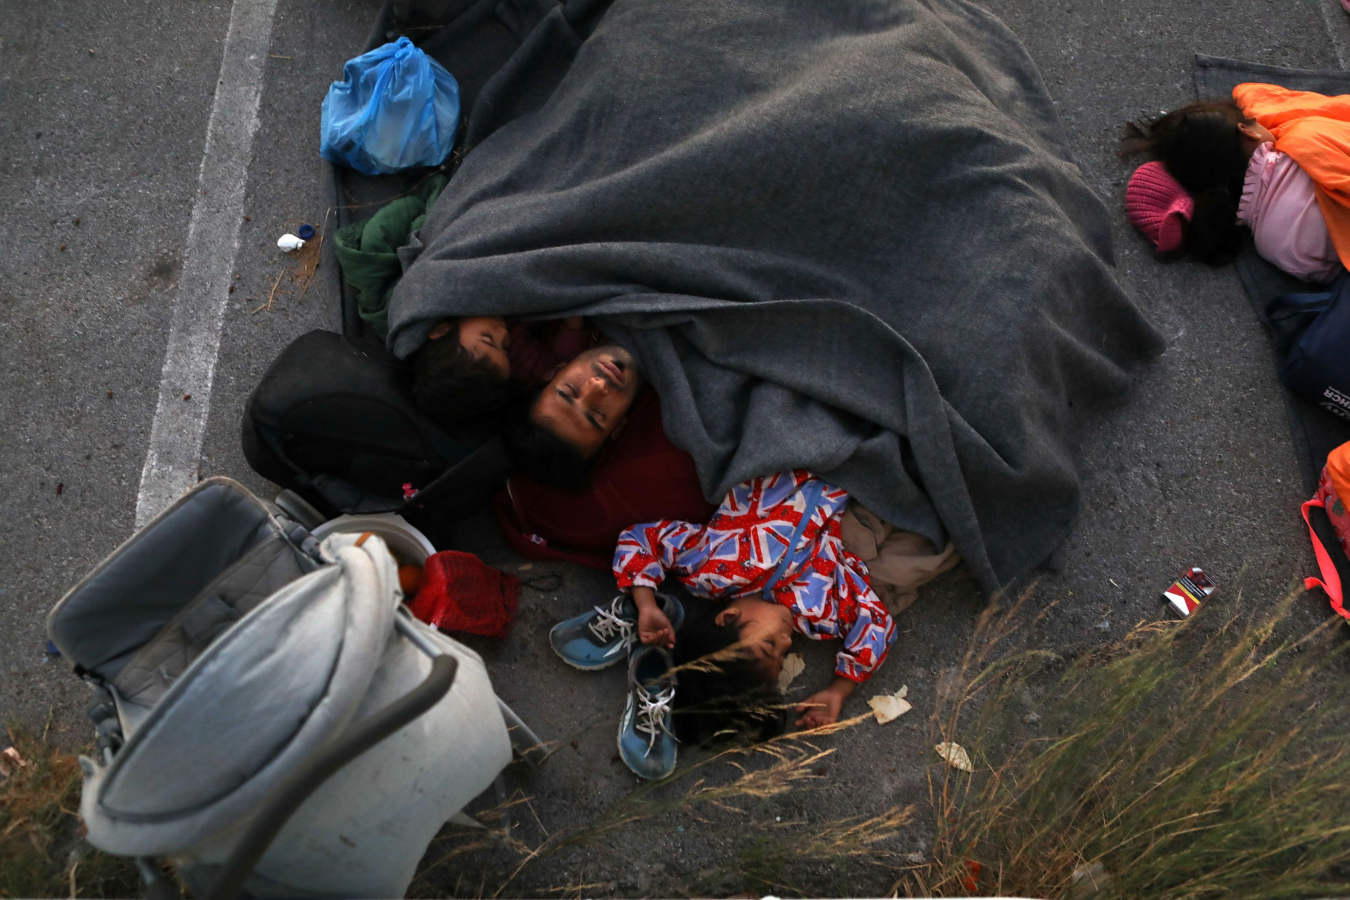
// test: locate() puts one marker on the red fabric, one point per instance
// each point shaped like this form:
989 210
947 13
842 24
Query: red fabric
460 592
641 477
537 348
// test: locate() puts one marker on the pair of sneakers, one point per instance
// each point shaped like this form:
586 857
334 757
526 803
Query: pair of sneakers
601 638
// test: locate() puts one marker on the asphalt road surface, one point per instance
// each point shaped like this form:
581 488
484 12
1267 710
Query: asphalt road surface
153 153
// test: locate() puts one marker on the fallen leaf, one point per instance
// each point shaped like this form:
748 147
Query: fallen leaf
955 755
793 665
1088 879
889 707
9 759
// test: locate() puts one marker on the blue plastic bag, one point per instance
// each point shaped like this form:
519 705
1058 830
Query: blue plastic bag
396 108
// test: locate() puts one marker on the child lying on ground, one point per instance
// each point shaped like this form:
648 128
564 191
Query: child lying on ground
728 700
773 552
466 367
1269 159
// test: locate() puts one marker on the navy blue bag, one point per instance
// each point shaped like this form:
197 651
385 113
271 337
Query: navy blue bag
1312 337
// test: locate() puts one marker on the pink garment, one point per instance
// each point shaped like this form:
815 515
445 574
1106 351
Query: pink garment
1280 206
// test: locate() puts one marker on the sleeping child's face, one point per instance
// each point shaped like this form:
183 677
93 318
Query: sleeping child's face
487 338
765 631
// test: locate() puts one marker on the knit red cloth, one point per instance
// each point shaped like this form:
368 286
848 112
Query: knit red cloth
460 592
641 477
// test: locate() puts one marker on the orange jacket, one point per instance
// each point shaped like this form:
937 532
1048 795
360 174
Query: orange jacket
1314 130
1338 471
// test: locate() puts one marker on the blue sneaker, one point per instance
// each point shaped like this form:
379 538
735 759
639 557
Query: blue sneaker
600 638
646 743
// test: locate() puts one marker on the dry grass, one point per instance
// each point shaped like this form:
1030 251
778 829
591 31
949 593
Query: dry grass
42 852
1190 759
728 782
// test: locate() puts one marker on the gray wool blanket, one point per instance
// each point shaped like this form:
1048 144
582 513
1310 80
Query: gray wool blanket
844 236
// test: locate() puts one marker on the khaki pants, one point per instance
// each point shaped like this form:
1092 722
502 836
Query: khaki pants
900 561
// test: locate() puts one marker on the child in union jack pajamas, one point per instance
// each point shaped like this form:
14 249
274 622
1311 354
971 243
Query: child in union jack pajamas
773 551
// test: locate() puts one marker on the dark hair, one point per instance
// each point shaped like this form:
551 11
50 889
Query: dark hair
721 695
1201 147
540 454
452 387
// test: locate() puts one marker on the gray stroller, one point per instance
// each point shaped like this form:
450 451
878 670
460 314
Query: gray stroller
273 721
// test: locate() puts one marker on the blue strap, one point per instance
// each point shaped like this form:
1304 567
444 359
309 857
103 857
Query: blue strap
811 494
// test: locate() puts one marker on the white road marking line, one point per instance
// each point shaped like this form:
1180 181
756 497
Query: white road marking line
174 454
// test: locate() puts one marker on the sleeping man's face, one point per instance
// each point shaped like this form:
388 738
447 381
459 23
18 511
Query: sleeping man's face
588 398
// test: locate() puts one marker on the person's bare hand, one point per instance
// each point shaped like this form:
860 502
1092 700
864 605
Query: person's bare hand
654 627
822 707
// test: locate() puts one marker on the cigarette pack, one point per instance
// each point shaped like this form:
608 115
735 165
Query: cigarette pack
1186 592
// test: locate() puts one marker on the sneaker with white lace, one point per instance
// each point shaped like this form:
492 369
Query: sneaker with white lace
601 637
646 743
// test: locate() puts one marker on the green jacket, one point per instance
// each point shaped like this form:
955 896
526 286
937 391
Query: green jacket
367 251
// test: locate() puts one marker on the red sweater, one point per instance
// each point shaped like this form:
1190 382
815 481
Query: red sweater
538 348
640 477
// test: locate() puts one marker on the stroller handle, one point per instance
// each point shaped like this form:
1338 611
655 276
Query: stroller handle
374 729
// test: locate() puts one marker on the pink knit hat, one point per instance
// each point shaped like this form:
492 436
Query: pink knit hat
1158 206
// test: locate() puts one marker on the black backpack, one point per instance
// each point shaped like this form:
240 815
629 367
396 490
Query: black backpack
335 422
